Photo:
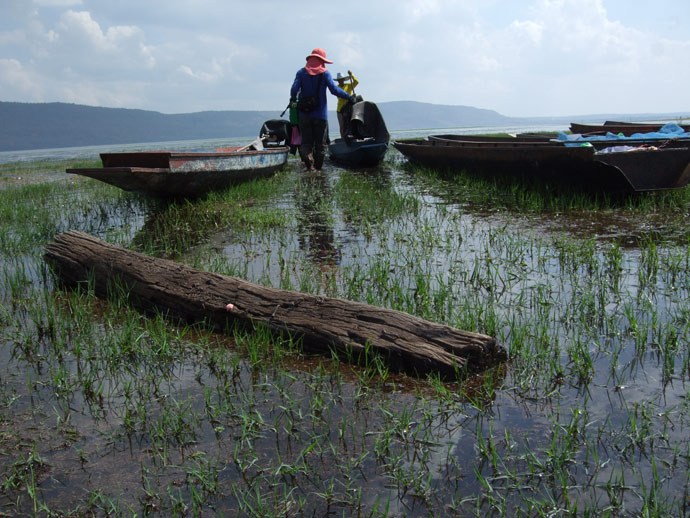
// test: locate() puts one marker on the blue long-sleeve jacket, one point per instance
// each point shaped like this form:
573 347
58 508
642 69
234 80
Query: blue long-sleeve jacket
305 85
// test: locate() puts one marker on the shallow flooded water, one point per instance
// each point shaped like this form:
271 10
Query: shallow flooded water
105 411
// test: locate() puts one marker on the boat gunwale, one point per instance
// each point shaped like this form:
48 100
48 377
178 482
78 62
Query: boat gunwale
488 141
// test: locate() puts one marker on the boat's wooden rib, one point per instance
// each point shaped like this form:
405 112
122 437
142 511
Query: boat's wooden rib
160 286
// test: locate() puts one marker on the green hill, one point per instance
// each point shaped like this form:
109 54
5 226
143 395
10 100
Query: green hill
50 125
54 125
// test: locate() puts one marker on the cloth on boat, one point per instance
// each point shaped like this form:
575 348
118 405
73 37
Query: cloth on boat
617 149
669 130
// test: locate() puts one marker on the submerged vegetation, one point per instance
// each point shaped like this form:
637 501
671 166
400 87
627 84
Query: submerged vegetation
107 412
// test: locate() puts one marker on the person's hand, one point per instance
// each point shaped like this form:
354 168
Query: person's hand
349 72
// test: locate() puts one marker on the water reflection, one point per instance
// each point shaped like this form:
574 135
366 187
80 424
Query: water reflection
161 233
314 222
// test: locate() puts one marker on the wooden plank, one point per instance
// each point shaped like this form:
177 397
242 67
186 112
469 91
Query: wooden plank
408 343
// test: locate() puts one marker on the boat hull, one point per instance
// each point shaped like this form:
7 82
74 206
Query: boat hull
171 174
644 170
357 154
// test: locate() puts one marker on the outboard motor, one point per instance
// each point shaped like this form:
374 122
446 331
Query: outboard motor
277 132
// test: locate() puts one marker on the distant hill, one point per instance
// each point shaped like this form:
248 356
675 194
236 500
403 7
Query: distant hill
402 115
51 125
55 125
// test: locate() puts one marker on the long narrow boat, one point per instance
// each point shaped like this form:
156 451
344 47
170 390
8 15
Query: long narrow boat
181 174
598 142
625 128
646 169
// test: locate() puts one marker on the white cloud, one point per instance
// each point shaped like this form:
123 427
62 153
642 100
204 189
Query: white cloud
203 76
121 46
17 8
15 78
568 56
532 31
58 3
528 57
216 61
16 37
422 8
350 48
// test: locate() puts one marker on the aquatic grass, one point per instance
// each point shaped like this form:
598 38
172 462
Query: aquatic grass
504 193
38 166
175 227
32 214
370 200
588 416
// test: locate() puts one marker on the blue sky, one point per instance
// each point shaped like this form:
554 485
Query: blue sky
518 57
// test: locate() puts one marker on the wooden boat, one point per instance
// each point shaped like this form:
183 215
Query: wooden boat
598 142
645 170
625 128
185 174
367 137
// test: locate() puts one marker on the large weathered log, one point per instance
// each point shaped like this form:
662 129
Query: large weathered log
409 343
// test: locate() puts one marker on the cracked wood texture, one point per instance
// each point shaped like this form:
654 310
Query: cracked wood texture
408 343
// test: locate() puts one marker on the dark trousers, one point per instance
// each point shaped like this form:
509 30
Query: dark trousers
314 132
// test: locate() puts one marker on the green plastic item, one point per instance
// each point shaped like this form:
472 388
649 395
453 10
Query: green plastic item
294 114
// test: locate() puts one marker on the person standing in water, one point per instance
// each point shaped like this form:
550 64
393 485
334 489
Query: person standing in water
312 80
347 83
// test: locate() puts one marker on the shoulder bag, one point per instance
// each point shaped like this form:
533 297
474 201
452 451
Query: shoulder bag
311 102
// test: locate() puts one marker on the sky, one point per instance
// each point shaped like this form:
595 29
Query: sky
521 58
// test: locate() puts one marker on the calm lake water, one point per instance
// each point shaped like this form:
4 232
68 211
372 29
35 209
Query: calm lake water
88 152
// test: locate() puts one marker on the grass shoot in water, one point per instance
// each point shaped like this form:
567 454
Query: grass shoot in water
587 417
